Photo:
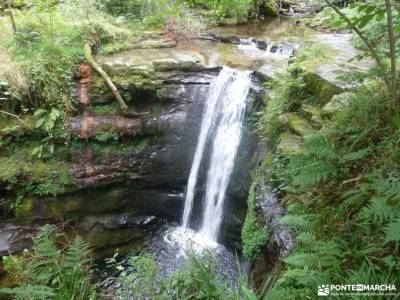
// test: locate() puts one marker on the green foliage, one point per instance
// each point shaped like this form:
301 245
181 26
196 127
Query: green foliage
342 191
24 178
254 235
50 184
288 92
51 271
138 278
238 10
106 136
196 279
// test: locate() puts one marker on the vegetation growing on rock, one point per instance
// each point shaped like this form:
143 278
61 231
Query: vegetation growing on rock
331 148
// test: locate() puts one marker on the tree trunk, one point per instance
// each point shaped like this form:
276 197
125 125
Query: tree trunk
14 26
103 74
392 50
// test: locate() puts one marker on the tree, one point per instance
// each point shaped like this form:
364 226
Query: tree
10 12
370 11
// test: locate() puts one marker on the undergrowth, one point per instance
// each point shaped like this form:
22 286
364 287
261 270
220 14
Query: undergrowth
55 268
342 194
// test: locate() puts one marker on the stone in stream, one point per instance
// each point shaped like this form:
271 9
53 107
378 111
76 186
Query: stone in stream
273 49
14 239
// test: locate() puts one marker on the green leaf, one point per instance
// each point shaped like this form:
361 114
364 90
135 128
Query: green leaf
392 231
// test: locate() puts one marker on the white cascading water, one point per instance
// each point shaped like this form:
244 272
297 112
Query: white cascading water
224 113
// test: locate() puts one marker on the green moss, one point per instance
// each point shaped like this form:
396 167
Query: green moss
106 109
107 238
269 8
321 88
25 180
24 209
254 235
107 136
298 124
288 144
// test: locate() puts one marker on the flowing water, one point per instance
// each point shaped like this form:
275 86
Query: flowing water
222 122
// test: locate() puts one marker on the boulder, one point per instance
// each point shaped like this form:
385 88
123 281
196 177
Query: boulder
297 124
269 8
314 111
154 44
14 239
184 64
107 231
338 102
320 87
289 143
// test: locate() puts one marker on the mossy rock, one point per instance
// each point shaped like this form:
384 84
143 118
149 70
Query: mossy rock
154 44
315 112
321 88
338 102
297 124
169 64
289 143
99 238
269 8
23 211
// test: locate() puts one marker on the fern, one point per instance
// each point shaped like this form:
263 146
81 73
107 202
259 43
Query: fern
392 231
357 155
314 173
54 273
298 222
32 292
377 211
302 260
306 238
319 146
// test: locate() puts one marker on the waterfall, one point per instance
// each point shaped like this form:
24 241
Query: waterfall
222 122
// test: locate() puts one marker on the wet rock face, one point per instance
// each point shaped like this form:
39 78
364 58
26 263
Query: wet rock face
156 175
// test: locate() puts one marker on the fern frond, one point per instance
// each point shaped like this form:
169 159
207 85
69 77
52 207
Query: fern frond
357 155
30 292
302 260
78 254
306 238
313 174
319 146
298 222
392 231
377 211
